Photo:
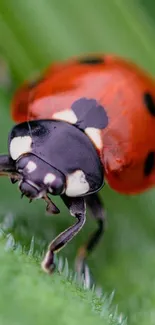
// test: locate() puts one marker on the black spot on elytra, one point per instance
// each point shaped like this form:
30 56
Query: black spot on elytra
92 60
149 163
150 104
90 114
33 83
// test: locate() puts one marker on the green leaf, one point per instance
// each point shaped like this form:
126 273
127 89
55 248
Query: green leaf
29 296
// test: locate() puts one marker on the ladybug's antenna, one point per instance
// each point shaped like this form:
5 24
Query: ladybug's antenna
31 86
29 127
28 115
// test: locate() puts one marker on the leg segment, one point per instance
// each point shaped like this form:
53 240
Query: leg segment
76 207
97 211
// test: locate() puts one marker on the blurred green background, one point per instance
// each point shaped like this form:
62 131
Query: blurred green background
33 33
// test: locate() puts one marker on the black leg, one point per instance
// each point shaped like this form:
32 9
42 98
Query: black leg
76 207
97 211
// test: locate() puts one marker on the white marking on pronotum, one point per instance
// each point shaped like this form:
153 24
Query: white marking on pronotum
95 135
76 184
19 146
31 166
67 115
49 178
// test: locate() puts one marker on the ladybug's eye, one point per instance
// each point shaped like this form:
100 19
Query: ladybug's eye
149 163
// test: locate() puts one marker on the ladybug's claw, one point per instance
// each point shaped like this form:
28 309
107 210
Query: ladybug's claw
22 194
13 180
82 269
48 263
88 278
51 207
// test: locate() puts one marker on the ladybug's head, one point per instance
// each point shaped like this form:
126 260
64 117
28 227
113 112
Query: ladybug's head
36 178
51 157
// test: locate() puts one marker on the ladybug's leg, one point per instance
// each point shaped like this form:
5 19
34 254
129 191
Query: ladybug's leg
77 209
97 211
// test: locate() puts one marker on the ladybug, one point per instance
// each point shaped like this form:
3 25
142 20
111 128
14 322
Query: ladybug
84 121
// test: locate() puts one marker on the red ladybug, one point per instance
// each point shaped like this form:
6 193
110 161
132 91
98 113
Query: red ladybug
86 120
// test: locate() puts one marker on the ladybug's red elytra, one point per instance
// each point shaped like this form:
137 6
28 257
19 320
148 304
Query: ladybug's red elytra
85 120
